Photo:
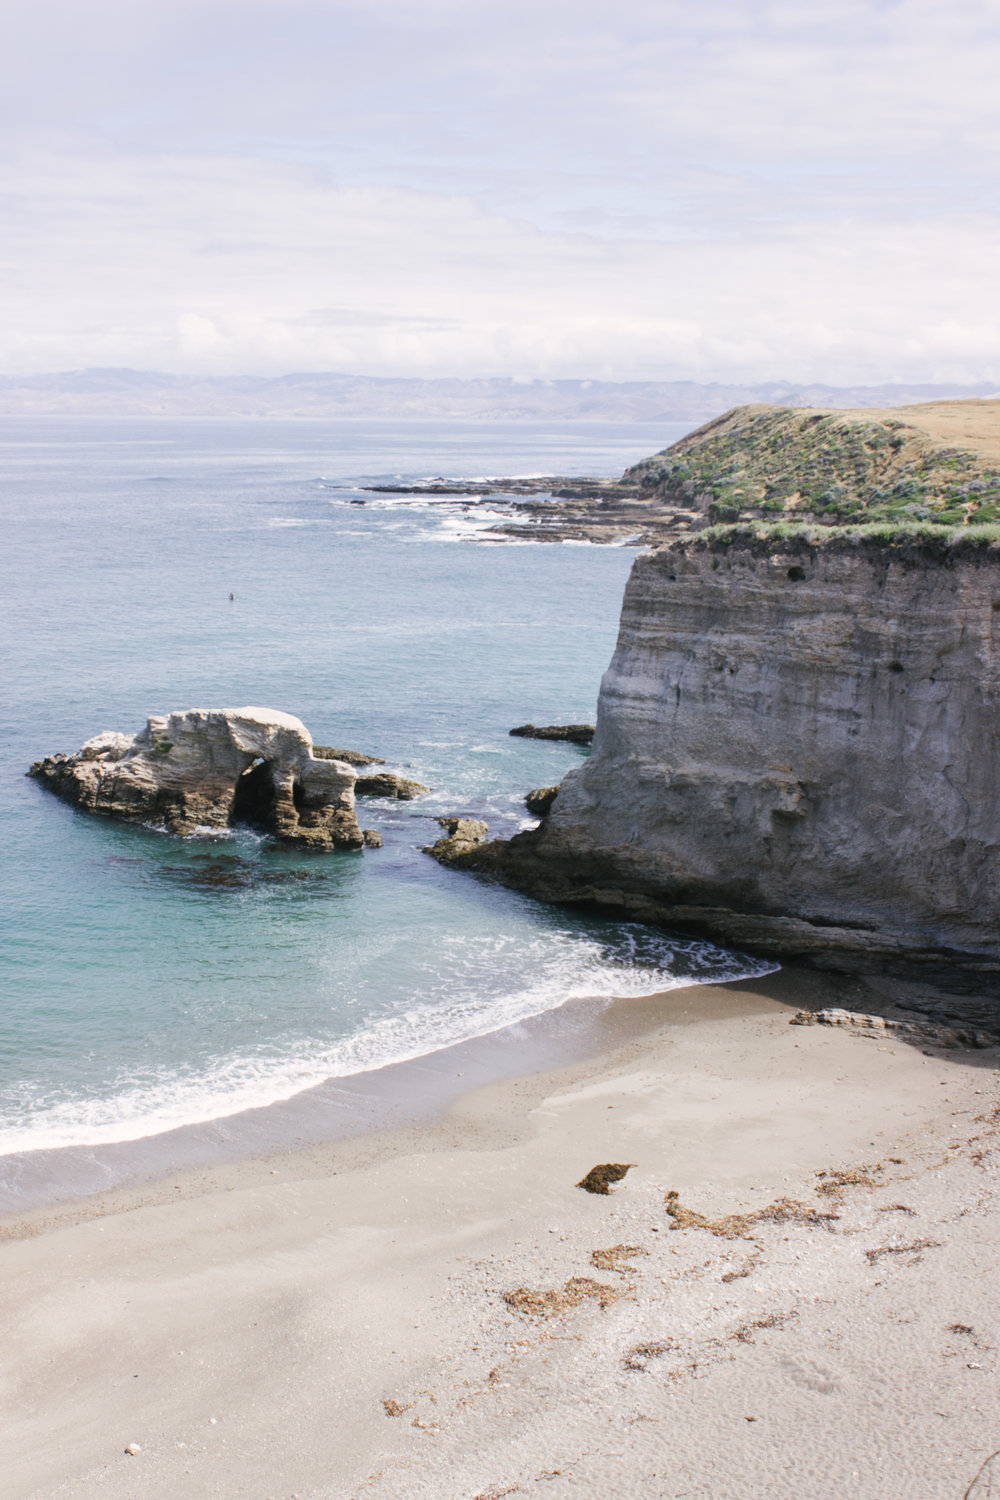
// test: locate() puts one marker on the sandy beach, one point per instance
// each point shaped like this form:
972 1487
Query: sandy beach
439 1311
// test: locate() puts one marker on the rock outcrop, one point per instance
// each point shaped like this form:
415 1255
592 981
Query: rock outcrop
209 769
539 802
463 836
576 734
352 757
389 784
797 751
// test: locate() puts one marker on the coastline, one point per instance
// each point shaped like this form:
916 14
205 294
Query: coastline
397 1095
330 1321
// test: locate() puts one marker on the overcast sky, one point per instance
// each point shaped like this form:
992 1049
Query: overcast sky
679 189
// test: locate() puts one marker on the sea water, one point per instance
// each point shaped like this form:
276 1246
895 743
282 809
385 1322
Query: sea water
152 982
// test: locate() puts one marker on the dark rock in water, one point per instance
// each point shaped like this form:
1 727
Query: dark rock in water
352 757
540 800
464 835
206 769
372 838
230 872
578 734
388 784
599 1179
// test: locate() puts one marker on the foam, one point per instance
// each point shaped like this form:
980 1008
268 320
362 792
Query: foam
452 1007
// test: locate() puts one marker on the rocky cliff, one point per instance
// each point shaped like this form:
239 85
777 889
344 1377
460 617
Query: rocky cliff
797 750
211 768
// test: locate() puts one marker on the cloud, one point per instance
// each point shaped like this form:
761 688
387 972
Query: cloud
733 189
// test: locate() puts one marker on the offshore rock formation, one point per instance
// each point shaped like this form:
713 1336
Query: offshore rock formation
208 769
797 751
352 757
463 836
389 784
576 734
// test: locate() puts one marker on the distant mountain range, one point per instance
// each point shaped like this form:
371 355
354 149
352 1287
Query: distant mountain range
123 392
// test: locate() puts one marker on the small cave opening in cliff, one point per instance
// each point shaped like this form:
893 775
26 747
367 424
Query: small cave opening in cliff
253 796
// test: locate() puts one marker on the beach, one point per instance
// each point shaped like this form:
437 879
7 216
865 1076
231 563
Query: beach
437 1310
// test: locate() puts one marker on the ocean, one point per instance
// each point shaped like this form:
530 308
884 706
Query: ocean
152 982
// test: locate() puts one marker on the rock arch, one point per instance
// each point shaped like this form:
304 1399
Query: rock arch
210 768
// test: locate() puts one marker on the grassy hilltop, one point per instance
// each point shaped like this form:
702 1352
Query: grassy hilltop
937 463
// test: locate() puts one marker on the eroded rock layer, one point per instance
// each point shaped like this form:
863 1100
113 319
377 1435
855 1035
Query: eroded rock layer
796 750
209 769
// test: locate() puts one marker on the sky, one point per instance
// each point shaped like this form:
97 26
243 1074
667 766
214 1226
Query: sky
649 189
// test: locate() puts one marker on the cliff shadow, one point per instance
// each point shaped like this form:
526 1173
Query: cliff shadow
889 1009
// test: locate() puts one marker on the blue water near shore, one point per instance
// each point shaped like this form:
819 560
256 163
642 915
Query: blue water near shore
151 981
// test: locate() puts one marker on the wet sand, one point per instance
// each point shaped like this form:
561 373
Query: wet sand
435 1309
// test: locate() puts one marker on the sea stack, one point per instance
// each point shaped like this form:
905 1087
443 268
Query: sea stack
208 769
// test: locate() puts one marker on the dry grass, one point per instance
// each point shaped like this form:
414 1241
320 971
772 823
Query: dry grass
547 1304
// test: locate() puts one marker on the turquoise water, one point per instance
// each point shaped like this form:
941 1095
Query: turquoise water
151 981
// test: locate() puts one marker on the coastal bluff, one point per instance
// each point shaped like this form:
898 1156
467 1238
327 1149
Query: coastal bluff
937 462
207 769
796 751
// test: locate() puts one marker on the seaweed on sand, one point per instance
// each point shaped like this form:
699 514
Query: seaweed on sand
638 1357
745 1333
600 1178
546 1304
834 1183
739 1226
914 1249
616 1258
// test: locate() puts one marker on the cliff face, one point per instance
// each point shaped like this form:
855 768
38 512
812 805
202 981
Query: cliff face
796 749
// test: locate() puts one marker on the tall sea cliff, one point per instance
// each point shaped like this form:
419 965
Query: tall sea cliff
796 750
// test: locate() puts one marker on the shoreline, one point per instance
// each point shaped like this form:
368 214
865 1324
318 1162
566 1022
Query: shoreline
436 1310
396 1096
